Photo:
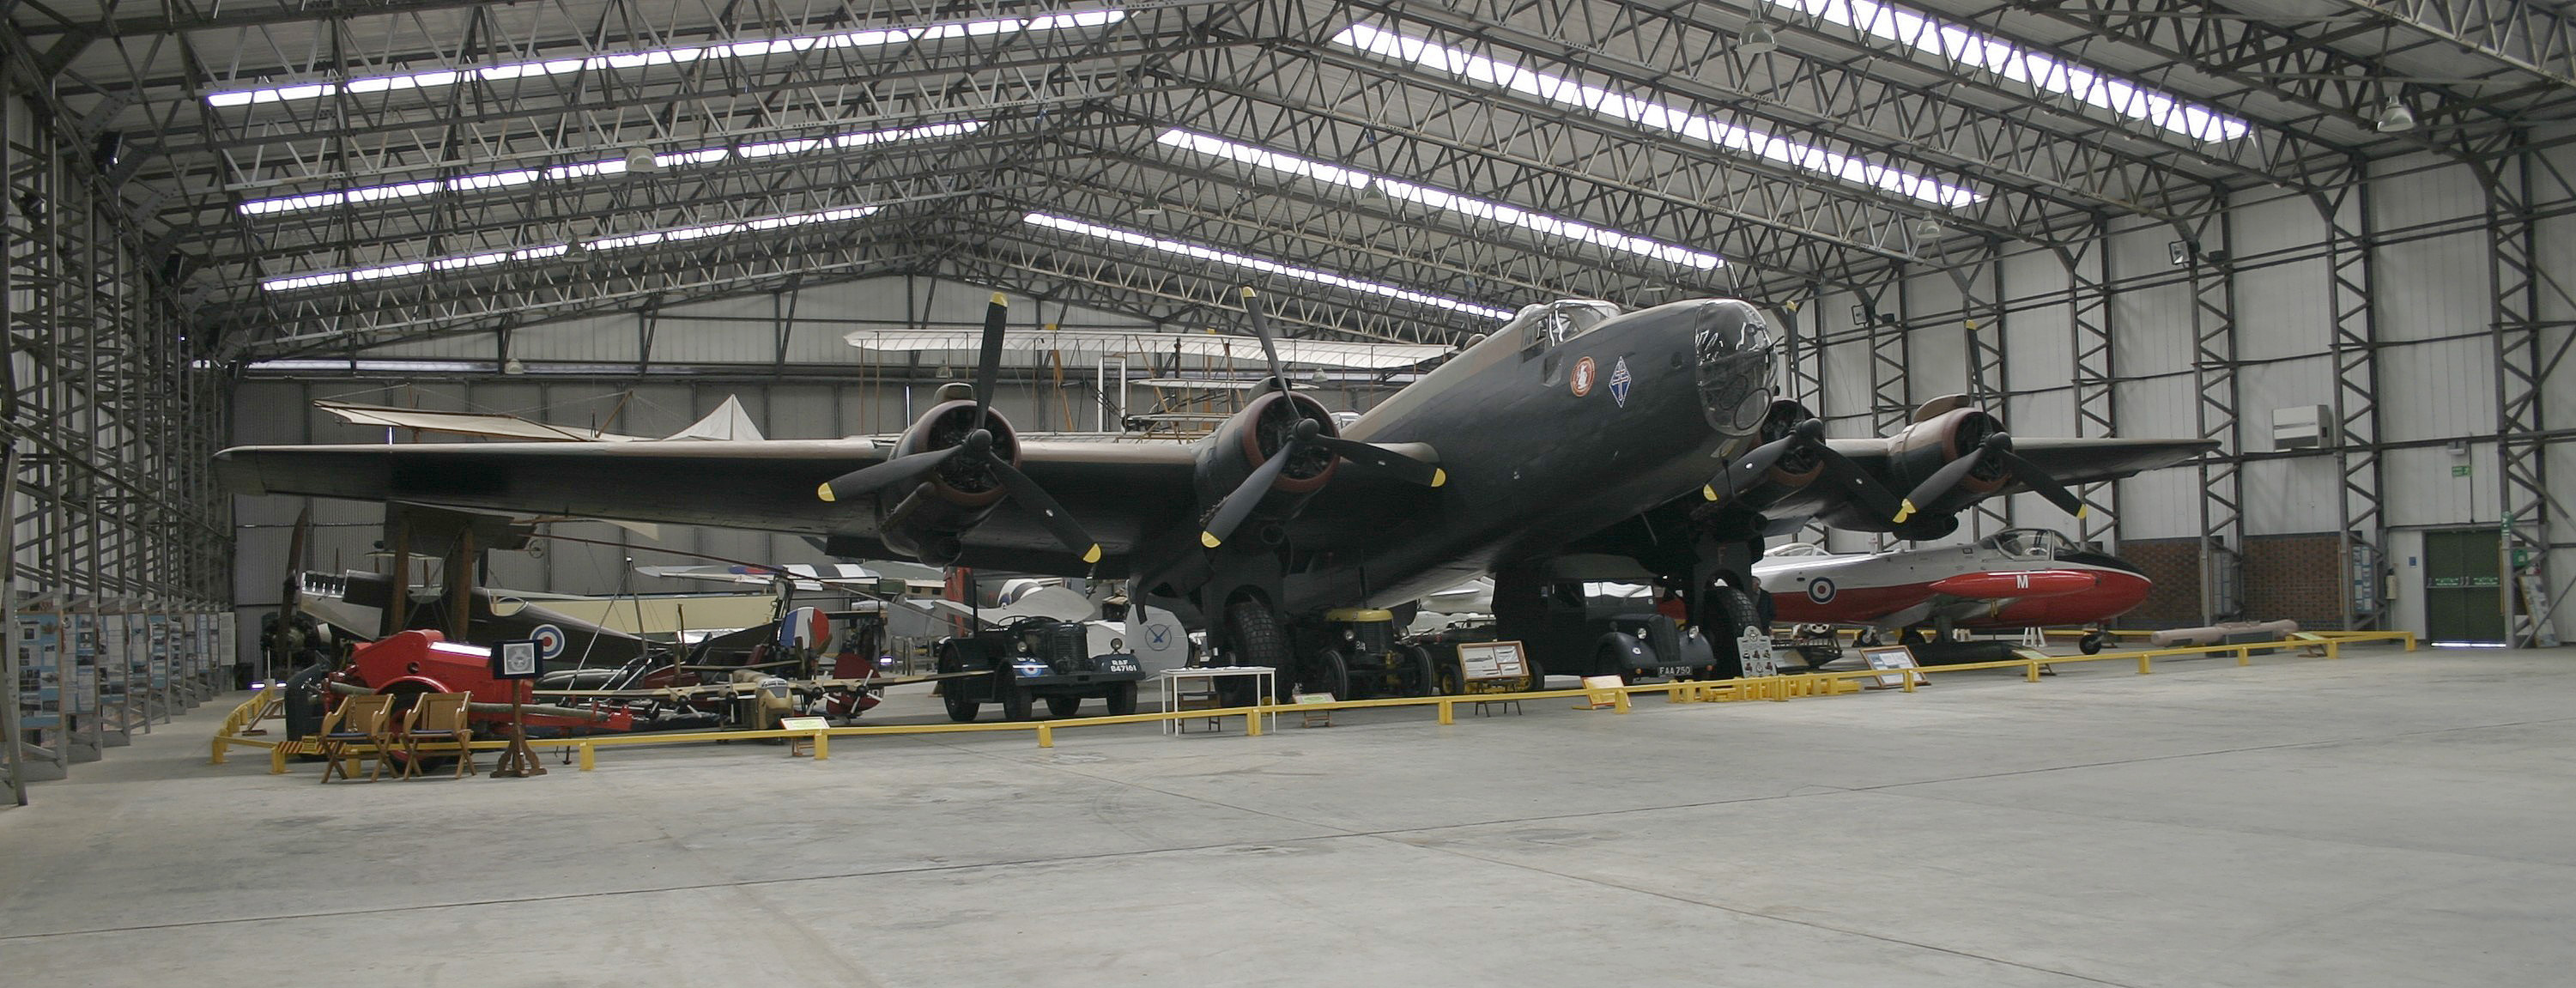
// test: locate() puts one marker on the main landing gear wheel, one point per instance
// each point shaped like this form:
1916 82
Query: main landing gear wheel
1122 699
2092 642
1730 612
1257 640
1061 707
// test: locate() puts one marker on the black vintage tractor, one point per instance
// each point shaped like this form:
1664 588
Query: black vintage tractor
1352 653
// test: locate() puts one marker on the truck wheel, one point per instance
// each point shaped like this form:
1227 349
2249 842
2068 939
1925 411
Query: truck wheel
1537 673
1608 660
1016 702
960 709
1420 677
1335 673
1122 699
1453 680
1061 707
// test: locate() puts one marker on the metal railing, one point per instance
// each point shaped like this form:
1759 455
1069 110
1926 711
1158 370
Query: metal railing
2328 644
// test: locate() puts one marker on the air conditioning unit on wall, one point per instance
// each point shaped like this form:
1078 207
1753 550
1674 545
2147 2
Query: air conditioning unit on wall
2303 427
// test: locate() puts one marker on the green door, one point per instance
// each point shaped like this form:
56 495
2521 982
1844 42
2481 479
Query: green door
2462 602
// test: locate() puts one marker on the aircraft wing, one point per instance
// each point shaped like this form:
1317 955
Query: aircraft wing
2085 461
2071 461
1118 491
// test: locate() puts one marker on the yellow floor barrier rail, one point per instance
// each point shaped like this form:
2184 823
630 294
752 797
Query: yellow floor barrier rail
1610 695
244 719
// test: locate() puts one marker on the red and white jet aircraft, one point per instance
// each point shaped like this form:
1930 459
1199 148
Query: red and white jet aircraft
2017 578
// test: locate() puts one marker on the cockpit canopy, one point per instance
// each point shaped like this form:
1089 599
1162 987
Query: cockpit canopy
1547 324
2027 543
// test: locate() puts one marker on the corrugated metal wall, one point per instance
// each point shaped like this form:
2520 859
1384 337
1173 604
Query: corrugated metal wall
2437 360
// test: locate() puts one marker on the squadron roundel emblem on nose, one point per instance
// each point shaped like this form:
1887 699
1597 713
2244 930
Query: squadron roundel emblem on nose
1581 378
1821 591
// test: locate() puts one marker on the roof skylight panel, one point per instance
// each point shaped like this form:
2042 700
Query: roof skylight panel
1183 248
751 48
1440 199
2046 73
619 242
1649 114
610 166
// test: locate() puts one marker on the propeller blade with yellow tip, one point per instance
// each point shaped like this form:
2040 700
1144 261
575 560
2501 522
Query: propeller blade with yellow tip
1057 520
876 477
1238 503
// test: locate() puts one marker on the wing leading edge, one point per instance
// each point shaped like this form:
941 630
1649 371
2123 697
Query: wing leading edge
1119 490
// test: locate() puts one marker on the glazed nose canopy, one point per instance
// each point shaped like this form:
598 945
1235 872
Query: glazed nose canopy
1734 366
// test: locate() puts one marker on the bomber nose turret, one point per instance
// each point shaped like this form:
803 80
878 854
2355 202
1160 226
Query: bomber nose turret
1734 365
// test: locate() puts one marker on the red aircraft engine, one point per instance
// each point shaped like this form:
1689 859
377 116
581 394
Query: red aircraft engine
1927 445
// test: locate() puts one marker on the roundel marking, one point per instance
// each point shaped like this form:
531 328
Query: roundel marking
1581 378
1821 591
549 639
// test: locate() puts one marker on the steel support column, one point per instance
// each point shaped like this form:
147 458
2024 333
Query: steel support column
2213 331
1891 388
2530 350
2088 300
2346 210
1981 319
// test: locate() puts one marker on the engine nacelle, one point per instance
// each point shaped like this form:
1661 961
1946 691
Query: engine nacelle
929 520
1931 443
1789 478
1251 438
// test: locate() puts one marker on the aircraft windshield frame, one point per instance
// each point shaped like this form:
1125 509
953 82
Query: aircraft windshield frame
1546 324
2026 543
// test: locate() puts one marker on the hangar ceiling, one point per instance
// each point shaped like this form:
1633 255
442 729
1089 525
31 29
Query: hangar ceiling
322 176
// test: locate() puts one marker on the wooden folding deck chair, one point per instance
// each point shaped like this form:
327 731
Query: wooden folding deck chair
437 725
355 729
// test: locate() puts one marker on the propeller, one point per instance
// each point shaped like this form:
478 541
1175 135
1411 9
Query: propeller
1807 436
1996 447
1260 317
1308 433
976 448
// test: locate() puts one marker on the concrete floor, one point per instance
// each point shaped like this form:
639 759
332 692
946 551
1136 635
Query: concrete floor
2383 820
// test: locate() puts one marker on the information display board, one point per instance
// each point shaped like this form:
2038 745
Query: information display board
157 631
39 689
1484 661
95 690
1759 660
1897 660
129 634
